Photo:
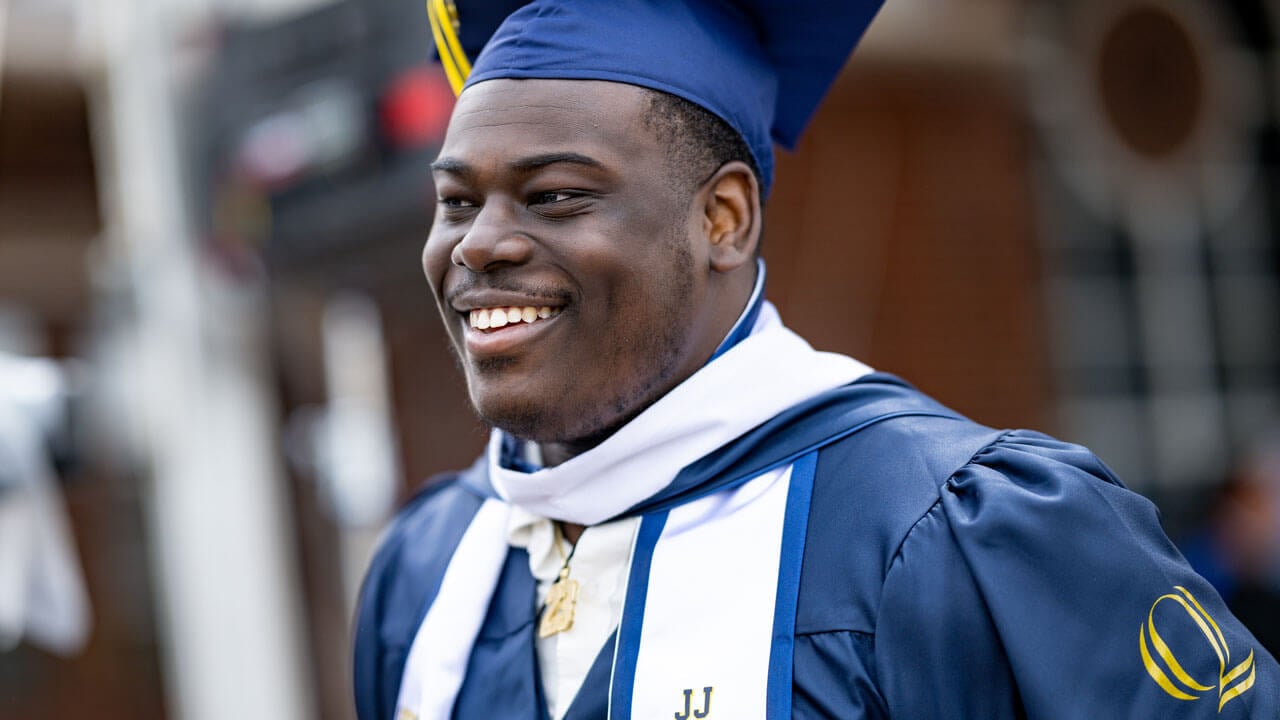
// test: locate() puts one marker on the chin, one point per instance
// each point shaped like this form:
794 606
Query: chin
525 419
561 422
574 410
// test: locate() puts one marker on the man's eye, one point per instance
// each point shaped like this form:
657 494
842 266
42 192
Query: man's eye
455 202
555 196
561 203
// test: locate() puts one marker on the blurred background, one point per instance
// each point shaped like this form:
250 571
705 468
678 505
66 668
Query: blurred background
221 368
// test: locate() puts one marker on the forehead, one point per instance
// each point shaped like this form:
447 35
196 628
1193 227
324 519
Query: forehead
526 116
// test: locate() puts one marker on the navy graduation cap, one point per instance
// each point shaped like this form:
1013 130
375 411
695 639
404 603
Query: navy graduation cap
760 65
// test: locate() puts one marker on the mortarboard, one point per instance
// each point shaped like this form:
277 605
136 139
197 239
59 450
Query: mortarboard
762 66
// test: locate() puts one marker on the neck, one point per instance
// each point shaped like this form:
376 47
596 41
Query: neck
571 531
556 452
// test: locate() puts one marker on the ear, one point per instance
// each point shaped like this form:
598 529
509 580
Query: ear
731 218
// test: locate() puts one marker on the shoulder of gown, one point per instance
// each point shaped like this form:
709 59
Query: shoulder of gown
1038 584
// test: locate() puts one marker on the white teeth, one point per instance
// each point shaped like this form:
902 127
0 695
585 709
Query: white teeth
501 317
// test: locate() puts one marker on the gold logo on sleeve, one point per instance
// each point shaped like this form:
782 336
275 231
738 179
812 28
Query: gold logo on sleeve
1163 666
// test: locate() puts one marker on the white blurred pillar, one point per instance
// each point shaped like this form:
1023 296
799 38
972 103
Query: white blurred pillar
226 575
357 458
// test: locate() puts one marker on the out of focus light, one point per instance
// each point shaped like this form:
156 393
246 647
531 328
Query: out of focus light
320 129
416 108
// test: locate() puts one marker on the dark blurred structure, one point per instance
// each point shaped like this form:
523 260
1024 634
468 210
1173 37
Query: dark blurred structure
1238 548
1157 165
1048 213
316 134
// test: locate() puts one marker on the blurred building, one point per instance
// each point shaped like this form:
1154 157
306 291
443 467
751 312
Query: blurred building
1058 214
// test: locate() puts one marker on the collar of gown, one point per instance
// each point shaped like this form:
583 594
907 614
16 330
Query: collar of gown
760 376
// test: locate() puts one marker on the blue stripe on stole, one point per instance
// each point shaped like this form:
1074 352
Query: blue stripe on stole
628 648
794 528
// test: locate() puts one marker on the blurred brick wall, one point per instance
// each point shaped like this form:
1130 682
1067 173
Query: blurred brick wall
902 232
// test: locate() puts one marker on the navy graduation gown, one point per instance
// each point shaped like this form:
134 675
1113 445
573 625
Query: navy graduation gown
949 570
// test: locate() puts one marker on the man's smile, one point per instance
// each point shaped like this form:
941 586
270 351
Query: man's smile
491 332
494 318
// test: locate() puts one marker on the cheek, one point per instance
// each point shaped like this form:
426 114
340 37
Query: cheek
435 260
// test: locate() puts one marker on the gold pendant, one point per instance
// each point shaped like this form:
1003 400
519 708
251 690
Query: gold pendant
562 600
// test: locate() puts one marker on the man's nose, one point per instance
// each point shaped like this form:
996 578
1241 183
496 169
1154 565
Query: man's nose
493 240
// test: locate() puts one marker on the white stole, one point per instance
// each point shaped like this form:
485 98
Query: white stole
709 608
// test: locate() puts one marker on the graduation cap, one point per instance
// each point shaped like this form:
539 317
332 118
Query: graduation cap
762 66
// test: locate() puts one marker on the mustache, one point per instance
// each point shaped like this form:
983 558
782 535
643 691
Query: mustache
539 291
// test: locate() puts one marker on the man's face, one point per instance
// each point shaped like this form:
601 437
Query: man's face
564 258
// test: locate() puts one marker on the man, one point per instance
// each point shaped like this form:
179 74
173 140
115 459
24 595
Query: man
685 511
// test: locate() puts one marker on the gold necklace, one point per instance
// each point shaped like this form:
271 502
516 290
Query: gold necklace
562 597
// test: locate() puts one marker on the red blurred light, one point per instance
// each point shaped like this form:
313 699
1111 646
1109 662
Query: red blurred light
416 108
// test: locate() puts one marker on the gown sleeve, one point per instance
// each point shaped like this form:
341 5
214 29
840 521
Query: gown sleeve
1039 587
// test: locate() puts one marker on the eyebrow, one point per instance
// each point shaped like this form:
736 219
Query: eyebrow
537 162
454 166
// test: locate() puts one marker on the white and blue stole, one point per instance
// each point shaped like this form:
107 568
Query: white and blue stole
709 611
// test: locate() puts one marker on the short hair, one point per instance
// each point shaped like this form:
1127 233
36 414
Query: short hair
698 142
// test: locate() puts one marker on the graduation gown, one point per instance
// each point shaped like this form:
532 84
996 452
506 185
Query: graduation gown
948 570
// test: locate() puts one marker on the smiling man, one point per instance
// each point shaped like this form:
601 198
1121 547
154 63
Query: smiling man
684 510
562 248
